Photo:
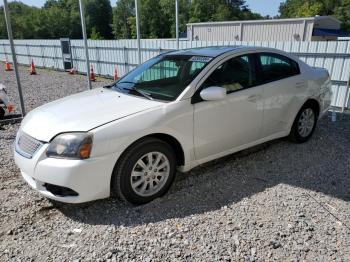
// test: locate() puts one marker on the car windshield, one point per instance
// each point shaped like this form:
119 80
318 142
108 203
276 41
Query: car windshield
163 77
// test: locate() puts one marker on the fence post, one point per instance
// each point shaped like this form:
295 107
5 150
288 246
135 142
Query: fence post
98 60
73 50
126 60
42 55
55 62
28 54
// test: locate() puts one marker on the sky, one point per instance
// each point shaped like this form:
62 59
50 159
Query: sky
264 7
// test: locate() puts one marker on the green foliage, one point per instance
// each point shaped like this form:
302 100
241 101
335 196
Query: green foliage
122 13
61 18
220 10
342 12
157 17
304 8
94 34
58 18
99 17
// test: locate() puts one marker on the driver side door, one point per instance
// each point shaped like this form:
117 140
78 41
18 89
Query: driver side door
227 125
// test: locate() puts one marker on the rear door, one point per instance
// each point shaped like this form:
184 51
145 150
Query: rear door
284 87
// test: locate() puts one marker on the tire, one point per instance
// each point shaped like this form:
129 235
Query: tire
304 124
137 181
2 113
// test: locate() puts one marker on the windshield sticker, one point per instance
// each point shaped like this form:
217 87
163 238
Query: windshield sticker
204 59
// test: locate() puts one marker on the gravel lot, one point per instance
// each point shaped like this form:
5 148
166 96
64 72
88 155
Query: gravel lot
279 201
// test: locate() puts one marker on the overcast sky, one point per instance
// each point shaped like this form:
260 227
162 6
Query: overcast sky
264 7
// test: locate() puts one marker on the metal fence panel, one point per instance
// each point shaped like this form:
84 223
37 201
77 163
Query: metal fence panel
106 55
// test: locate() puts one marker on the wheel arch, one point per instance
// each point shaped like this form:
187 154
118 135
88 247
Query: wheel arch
169 139
174 143
314 102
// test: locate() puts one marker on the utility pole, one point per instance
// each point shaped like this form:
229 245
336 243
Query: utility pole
14 58
177 22
138 31
83 27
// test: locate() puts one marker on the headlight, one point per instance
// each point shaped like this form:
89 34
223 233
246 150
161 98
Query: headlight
71 145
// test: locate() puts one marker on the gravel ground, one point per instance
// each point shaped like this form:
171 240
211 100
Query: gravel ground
279 201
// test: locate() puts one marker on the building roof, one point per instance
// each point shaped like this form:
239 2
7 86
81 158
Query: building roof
269 20
213 51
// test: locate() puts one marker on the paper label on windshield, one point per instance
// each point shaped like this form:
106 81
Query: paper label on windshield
203 59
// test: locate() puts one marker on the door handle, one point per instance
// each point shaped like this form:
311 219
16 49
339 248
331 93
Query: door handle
253 98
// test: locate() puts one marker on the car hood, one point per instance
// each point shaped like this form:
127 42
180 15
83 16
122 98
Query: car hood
82 112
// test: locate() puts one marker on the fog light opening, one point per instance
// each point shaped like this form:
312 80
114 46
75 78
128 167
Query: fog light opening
60 190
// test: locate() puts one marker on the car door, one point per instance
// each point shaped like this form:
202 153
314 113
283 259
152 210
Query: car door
234 121
283 87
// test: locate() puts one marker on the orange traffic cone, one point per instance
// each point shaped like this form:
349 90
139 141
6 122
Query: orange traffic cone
7 66
10 108
32 70
72 71
115 76
92 74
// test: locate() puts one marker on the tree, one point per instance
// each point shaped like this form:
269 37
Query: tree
306 8
99 16
220 10
122 13
66 14
61 18
342 12
168 9
153 21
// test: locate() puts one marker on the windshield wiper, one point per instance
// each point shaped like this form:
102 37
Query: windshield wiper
115 84
108 86
126 82
142 93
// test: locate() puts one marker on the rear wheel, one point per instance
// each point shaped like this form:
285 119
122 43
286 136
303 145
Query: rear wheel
304 124
144 172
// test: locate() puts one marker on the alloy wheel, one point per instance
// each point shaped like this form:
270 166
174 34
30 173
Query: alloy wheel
306 122
150 173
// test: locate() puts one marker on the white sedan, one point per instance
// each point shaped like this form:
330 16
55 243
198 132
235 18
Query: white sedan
174 112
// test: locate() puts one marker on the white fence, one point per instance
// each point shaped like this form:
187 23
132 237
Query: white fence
106 54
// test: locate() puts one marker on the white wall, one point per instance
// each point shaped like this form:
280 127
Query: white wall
263 30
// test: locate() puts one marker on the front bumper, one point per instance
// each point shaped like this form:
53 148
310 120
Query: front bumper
90 178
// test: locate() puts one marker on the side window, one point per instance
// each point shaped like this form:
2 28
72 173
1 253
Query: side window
275 67
235 74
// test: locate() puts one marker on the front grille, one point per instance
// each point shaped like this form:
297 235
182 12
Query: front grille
27 145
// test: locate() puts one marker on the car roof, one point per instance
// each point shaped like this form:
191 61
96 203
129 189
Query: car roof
211 51
215 51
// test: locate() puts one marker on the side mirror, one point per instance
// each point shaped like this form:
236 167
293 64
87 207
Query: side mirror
213 93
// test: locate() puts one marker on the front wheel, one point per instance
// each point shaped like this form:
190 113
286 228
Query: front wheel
145 171
304 124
